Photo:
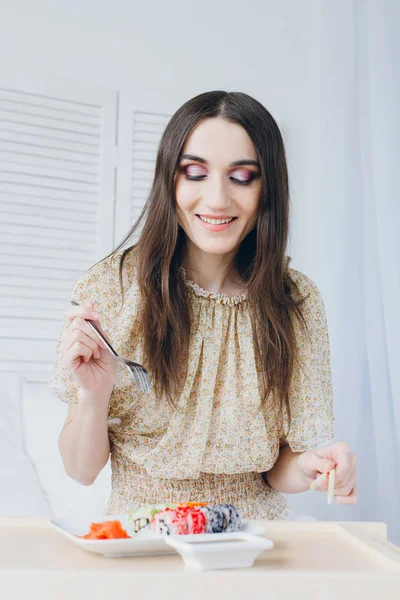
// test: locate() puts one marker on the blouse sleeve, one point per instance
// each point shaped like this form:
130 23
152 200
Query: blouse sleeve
311 393
98 285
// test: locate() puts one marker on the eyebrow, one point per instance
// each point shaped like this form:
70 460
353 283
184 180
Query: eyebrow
242 161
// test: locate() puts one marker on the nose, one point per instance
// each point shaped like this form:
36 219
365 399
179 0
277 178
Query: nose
216 194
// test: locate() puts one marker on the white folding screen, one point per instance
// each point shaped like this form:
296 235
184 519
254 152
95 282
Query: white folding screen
57 211
142 119
57 181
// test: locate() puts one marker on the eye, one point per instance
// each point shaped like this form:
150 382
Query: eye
194 172
243 181
246 177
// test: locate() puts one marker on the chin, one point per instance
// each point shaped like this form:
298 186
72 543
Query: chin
216 247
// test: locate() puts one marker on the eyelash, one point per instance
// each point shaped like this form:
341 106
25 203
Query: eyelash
238 181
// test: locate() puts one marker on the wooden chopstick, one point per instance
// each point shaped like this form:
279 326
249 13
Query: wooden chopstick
331 483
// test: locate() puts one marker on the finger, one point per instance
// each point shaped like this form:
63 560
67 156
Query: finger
351 498
94 350
82 325
77 335
83 311
344 467
344 490
92 307
321 465
330 452
323 487
77 350
348 483
320 482
101 330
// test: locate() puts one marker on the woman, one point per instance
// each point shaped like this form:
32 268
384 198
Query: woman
235 341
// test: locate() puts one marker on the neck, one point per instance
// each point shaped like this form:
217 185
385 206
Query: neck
212 272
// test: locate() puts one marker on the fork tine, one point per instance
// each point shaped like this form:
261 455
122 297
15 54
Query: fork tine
142 378
138 378
146 379
139 374
135 376
142 381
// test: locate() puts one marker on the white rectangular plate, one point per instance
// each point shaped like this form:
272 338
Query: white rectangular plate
142 545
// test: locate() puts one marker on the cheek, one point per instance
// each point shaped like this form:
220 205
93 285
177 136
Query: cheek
184 204
251 223
184 196
250 206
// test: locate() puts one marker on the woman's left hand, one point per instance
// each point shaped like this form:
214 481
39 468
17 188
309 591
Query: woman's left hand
322 460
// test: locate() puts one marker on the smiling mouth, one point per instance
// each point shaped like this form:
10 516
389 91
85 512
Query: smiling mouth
216 221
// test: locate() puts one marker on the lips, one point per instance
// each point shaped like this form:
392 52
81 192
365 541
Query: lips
216 226
217 217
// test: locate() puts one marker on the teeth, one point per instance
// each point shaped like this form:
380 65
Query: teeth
216 221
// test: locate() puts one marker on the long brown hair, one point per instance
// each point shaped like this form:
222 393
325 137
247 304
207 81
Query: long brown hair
165 319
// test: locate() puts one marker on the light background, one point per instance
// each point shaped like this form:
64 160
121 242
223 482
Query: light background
325 70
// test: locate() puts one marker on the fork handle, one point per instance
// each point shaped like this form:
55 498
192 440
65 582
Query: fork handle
97 330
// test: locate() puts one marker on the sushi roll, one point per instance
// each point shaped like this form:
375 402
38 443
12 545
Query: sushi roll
179 521
193 519
221 517
141 517
214 519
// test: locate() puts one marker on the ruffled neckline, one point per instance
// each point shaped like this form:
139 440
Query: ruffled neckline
219 298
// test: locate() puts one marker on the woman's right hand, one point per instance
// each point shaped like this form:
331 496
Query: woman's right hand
85 354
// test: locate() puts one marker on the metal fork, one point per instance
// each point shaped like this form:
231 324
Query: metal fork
137 371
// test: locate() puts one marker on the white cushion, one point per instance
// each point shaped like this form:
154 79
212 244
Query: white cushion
43 418
33 482
21 494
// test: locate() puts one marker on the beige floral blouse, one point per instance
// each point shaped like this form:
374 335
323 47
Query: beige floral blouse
219 447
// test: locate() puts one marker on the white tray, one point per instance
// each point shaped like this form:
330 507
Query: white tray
150 544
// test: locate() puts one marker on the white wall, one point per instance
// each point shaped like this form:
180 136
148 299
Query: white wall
264 48
259 47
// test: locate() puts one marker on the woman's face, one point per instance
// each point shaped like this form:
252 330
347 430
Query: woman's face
218 178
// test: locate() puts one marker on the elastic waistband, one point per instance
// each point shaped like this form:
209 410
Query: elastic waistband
252 495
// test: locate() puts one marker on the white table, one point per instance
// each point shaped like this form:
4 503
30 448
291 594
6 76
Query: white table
322 559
